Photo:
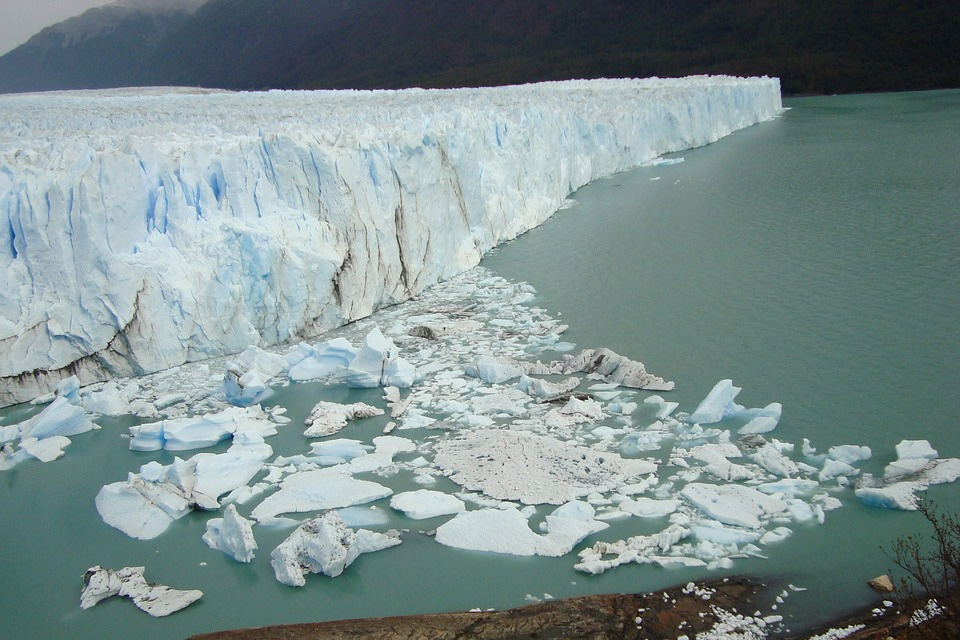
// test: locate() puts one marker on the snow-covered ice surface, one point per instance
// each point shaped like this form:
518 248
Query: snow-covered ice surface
140 230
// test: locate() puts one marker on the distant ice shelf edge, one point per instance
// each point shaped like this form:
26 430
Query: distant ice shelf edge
143 229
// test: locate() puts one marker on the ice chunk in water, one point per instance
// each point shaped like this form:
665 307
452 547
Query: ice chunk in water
323 545
733 504
423 504
60 418
718 404
231 534
915 449
320 361
493 370
155 599
318 490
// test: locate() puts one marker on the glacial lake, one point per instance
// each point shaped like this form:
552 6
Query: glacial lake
813 259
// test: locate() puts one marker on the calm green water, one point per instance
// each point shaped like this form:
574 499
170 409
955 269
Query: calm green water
813 259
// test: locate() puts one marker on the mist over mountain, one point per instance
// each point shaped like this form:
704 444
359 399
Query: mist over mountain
814 46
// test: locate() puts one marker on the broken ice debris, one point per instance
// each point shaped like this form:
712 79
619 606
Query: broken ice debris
493 370
327 418
324 545
231 534
915 469
246 376
147 503
639 549
376 364
610 366
201 431
155 599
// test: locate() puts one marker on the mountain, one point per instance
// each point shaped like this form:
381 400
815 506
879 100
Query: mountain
107 46
814 46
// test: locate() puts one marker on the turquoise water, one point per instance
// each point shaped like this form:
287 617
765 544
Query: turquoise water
813 259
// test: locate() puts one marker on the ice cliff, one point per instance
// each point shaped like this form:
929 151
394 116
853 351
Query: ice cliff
143 229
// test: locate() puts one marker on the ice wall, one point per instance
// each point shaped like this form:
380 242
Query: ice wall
140 229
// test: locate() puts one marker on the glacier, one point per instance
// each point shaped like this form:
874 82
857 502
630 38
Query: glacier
140 230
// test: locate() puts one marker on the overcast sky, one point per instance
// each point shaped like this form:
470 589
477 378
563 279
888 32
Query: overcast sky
21 19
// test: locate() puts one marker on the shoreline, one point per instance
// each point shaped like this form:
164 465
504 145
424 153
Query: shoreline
713 610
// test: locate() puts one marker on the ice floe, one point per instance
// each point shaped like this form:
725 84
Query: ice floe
532 469
157 600
318 490
508 531
424 503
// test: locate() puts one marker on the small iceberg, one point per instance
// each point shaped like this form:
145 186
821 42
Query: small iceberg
157 600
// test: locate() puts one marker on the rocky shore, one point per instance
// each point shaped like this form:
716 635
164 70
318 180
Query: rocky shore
718 610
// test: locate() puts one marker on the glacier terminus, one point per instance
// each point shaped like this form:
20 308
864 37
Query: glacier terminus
141 229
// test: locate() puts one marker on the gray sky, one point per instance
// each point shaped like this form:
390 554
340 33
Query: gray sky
21 19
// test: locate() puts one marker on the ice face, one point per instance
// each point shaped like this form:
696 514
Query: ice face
214 221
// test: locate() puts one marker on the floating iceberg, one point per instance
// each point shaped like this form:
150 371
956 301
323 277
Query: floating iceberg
734 504
327 418
493 370
718 404
44 436
532 469
508 531
325 359
423 504
201 431
231 534
157 600
147 503
609 366
318 490
324 545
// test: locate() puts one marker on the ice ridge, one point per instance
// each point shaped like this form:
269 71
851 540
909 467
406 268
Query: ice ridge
139 231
